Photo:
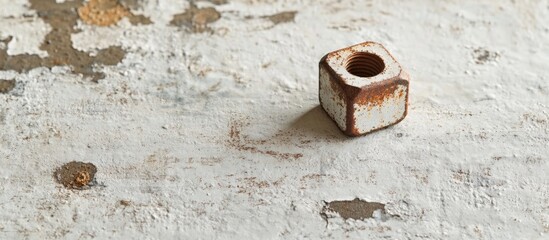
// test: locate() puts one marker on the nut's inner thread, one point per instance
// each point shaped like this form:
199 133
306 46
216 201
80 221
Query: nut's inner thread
363 64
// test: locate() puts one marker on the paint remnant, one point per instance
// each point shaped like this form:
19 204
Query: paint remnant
483 56
62 17
356 209
196 19
108 12
6 85
282 17
76 175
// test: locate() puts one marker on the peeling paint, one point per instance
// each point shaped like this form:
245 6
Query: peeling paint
58 44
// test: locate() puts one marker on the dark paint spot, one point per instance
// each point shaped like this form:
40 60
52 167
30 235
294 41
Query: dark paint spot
76 175
356 209
482 56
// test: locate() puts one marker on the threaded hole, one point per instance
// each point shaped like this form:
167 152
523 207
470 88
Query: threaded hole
363 64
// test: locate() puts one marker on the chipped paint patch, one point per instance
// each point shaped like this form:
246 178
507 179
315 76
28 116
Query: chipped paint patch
76 175
196 19
356 209
282 17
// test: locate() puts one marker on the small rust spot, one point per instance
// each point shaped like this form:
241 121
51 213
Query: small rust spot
6 85
76 175
356 209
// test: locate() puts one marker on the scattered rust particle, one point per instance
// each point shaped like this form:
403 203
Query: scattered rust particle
282 17
76 175
125 203
483 56
6 85
250 184
62 17
356 209
242 143
196 19
109 12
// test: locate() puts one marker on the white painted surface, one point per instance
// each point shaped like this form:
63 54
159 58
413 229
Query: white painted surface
471 162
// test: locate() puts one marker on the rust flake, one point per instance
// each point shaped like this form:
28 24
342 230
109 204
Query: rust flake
108 12
76 175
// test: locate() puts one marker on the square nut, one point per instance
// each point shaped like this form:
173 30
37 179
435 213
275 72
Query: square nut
363 88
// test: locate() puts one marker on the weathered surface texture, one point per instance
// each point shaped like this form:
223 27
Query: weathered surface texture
202 121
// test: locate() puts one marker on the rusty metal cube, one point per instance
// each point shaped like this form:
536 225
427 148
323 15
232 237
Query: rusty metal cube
363 88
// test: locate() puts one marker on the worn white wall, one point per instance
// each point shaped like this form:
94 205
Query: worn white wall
469 162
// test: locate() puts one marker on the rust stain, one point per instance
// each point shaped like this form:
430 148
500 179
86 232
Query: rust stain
376 95
108 12
76 175
62 17
6 85
356 209
196 19
242 143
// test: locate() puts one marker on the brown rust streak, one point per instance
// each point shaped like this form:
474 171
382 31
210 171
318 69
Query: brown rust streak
241 143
